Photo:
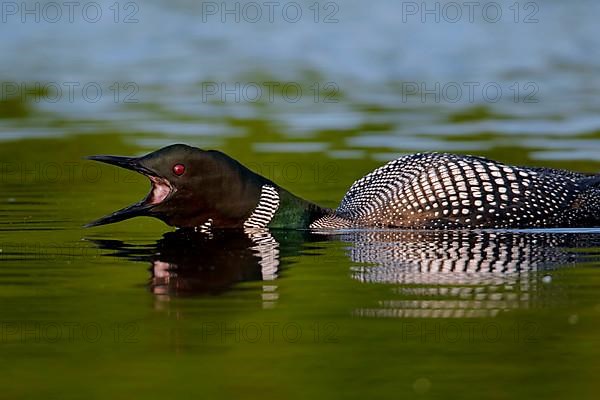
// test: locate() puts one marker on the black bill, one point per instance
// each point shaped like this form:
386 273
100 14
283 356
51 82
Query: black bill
141 208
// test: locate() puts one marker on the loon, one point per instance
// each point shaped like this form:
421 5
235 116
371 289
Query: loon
206 189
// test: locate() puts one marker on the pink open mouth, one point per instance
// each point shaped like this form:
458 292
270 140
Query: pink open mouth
161 189
160 192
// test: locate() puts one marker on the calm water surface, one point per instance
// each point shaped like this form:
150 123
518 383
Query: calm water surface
137 310
152 312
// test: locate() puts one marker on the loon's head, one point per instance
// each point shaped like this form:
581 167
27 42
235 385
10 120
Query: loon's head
189 187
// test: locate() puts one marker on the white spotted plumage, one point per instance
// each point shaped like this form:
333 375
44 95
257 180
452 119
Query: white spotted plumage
267 206
438 190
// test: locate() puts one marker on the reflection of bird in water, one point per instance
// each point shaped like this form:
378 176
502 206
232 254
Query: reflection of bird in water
186 262
434 273
192 263
461 273
452 257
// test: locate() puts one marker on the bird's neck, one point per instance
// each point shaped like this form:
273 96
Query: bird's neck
262 202
296 213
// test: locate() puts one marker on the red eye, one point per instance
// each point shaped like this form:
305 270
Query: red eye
178 169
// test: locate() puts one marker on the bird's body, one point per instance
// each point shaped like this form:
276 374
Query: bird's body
207 189
442 191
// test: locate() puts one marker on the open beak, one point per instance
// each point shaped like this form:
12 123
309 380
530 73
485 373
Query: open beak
160 191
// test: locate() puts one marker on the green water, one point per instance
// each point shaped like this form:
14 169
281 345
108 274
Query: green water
134 310
121 311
